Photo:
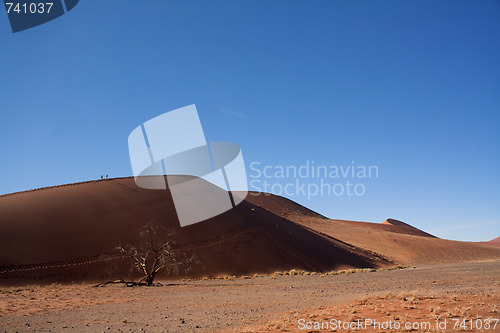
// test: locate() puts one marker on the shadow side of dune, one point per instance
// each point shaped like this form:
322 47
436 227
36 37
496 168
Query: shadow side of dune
68 233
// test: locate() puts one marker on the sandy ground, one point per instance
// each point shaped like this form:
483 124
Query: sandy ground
265 303
404 312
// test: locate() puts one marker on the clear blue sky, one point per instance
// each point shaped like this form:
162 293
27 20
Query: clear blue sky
412 87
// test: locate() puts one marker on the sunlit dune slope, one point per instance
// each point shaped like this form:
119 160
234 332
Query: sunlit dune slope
393 239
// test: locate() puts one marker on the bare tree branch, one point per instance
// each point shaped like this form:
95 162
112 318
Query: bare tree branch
150 258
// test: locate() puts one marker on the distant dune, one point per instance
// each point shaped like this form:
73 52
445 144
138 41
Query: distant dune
391 239
410 229
493 242
69 233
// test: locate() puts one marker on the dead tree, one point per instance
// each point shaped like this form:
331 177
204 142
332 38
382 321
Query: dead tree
156 253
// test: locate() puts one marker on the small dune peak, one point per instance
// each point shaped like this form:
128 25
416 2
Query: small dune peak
405 226
395 222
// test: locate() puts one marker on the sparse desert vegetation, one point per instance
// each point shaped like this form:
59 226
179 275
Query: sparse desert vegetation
258 303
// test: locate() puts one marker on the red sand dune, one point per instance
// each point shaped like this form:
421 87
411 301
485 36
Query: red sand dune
410 229
295 212
392 239
70 232
493 242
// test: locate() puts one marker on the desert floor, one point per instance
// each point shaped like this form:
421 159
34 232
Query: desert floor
450 292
